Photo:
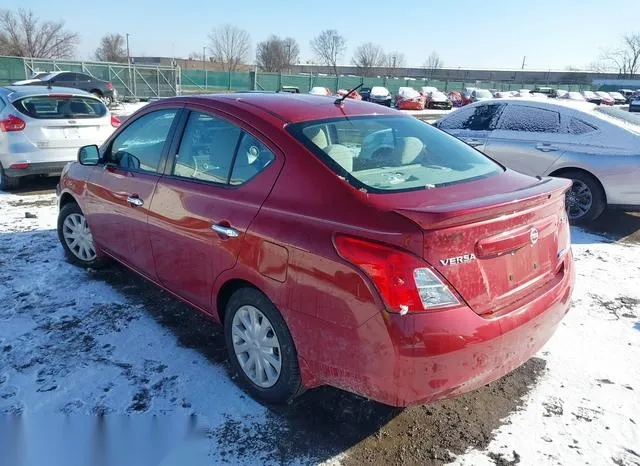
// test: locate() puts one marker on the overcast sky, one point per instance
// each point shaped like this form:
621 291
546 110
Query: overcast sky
488 34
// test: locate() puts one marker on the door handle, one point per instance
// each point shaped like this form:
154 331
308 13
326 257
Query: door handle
546 147
135 201
225 231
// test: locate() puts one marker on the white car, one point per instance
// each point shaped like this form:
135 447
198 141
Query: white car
42 128
317 90
573 96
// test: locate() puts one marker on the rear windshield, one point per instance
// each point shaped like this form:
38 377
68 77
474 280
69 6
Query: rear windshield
52 107
391 153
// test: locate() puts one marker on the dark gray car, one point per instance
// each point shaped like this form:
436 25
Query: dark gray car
97 87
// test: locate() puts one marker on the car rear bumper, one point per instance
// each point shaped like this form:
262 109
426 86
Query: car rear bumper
385 102
39 168
421 358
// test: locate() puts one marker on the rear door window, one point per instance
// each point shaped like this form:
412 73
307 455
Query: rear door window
530 119
479 118
207 148
60 107
139 146
65 78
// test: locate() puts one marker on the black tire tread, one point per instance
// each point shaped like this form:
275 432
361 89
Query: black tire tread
599 202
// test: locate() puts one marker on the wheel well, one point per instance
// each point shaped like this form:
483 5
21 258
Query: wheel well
564 171
96 91
226 291
65 199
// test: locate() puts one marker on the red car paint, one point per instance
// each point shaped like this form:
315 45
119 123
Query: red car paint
410 103
352 95
512 296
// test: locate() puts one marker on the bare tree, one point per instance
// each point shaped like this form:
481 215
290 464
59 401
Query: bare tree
270 54
24 35
626 58
597 66
291 52
112 48
276 54
433 63
328 47
230 46
367 57
394 61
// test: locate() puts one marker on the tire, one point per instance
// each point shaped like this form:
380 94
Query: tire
585 188
93 258
287 384
8 182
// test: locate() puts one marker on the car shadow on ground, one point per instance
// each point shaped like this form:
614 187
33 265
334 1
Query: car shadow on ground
326 422
35 185
617 225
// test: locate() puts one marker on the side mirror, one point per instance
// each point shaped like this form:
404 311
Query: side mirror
89 155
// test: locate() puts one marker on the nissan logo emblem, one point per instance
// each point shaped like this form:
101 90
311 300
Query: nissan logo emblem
533 236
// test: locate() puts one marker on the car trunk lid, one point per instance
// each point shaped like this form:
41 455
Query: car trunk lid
496 249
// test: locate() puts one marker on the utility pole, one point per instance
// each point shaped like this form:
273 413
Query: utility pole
204 66
128 64
524 61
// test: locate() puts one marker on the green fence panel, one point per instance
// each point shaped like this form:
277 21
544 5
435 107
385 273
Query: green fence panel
11 69
240 81
302 82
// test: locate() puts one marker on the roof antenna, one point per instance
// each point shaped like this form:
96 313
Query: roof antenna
340 100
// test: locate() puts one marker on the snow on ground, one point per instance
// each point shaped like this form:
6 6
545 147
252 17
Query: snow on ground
586 409
71 342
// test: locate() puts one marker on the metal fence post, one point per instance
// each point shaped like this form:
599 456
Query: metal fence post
158 81
337 82
229 80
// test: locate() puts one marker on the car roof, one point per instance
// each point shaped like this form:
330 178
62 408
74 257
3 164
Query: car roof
546 103
292 108
17 92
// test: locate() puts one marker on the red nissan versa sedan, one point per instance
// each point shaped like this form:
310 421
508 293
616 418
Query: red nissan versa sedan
340 243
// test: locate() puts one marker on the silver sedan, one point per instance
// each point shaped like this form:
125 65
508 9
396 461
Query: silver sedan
597 147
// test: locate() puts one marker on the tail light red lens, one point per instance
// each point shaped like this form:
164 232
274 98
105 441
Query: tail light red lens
19 166
12 123
405 282
115 121
110 86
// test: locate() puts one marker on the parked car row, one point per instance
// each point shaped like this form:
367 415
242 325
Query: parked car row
471 95
98 87
41 129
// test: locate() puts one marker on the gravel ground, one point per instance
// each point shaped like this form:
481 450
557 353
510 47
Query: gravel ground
108 345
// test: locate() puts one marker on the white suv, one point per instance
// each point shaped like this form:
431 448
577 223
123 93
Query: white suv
41 129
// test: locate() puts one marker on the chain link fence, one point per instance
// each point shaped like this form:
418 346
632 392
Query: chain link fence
147 81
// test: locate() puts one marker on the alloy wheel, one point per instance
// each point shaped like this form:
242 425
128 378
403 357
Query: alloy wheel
578 200
78 237
256 346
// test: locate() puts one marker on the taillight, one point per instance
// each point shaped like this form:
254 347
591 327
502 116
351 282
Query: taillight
109 86
115 121
12 123
19 166
405 282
